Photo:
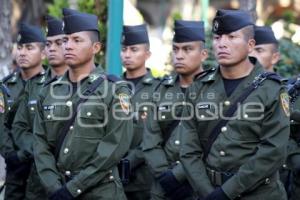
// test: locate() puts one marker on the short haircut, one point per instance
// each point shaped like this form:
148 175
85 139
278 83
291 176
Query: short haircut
275 47
94 36
248 32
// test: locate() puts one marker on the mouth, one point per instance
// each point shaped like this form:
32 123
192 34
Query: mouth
68 55
126 63
51 57
179 65
23 61
223 54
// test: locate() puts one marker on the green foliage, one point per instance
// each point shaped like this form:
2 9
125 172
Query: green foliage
97 7
289 64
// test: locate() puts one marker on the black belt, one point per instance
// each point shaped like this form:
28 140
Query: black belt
218 178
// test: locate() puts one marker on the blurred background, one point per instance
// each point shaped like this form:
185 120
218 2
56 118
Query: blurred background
159 15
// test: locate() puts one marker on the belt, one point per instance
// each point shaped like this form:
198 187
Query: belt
218 178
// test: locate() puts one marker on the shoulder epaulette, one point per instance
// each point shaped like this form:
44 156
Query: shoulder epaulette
50 81
274 76
6 78
204 73
5 89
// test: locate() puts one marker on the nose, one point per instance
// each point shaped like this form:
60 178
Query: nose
179 55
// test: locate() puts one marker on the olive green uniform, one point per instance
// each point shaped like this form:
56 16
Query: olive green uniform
293 160
95 143
23 131
251 147
161 137
140 179
15 178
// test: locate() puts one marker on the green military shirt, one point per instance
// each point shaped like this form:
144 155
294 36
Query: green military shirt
141 102
161 122
15 85
252 145
95 143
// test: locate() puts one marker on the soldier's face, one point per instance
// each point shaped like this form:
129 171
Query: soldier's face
29 55
230 49
79 49
134 56
54 50
266 55
188 57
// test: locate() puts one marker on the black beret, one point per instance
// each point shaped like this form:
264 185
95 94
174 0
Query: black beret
75 21
135 35
54 26
264 35
227 21
188 31
29 33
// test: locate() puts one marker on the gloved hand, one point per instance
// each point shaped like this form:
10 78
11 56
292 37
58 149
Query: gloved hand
12 160
217 194
174 190
61 194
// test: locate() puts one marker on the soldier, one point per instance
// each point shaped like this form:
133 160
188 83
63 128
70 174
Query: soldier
161 140
236 138
29 57
266 48
83 126
23 123
135 52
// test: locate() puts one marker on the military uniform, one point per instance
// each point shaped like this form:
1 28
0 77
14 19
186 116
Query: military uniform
94 144
141 179
293 160
249 150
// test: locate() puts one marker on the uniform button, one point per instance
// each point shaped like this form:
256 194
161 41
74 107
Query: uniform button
66 150
68 173
48 116
88 114
145 108
78 191
69 103
177 162
163 117
32 108
267 181
284 166
177 142
111 177
202 116
9 108
222 153
223 129
71 127
184 103
227 103
292 121
245 116
110 171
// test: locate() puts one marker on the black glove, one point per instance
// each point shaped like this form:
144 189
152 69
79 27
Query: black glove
217 194
12 160
174 190
61 194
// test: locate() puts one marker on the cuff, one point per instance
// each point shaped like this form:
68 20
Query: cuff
179 173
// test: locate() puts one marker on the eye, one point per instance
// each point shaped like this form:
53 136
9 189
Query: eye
65 40
48 44
59 42
216 37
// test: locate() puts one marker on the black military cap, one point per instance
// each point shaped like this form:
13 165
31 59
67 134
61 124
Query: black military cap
264 35
227 21
135 35
54 26
188 31
75 21
29 33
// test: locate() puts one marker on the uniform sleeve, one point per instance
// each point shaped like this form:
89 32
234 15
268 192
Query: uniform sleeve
6 144
44 158
136 157
154 153
271 152
113 146
22 129
191 154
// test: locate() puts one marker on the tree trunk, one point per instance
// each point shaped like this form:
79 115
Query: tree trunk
5 37
249 5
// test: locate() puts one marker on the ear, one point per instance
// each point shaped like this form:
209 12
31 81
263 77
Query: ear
251 45
148 54
96 47
275 58
43 54
204 55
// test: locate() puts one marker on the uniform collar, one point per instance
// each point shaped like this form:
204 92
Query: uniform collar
147 78
170 80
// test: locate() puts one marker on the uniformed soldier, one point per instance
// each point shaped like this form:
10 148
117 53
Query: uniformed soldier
23 123
83 127
235 139
135 52
161 140
266 48
293 159
29 56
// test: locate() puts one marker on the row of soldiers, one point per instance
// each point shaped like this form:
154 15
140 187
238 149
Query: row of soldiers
75 132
